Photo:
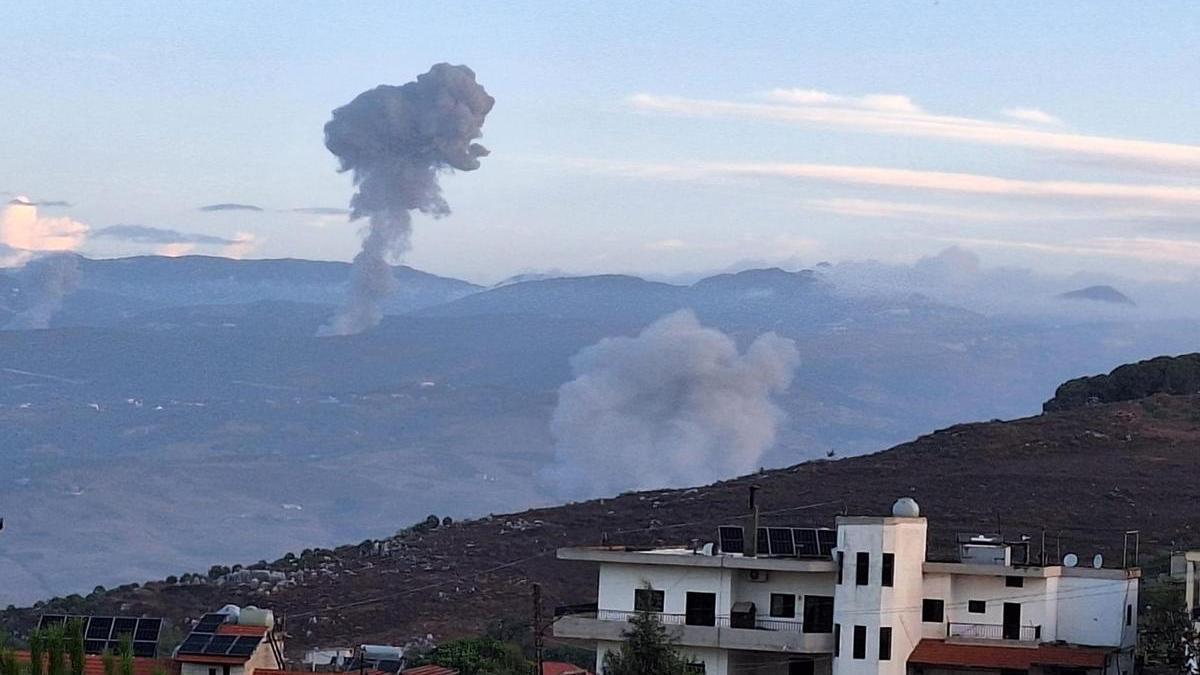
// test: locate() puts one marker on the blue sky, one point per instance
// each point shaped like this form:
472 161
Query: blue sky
630 138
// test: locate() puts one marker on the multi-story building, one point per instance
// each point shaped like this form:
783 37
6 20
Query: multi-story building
864 599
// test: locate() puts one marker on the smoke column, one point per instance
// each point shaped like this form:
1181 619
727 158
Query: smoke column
677 405
46 282
395 141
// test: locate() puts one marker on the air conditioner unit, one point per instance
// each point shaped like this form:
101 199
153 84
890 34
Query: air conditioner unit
757 575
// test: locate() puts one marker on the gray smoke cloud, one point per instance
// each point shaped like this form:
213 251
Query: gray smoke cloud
229 207
677 405
396 140
44 283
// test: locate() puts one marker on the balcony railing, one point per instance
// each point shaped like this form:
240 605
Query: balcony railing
993 631
768 624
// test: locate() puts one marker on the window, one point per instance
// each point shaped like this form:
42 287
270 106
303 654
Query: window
837 640
841 558
888 571
818 613
212 671
885 643
697 667
977 606
862 569
860 642
1014 582
647 600
932 610
805 667
783 605
1128 615
701 609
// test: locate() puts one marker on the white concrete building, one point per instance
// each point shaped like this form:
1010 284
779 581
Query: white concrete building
872 605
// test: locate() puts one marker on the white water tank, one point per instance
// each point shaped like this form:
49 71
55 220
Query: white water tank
230 611
906 507
253 616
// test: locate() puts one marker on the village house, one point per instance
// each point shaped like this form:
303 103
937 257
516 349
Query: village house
864 599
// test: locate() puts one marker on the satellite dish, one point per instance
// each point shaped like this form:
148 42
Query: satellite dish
1070 560
1098 561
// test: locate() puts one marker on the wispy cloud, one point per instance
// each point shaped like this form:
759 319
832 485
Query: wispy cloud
143 234
1144 249
1032 115
936 181
230 207
901 117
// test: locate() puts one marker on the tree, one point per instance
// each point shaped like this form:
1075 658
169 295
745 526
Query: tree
1168 637
647 650
110 663
75 646
126 654
479 656
56 651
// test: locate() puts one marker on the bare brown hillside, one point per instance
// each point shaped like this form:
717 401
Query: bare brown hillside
1083 475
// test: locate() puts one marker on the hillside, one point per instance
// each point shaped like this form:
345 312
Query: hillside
1081 475
1164 374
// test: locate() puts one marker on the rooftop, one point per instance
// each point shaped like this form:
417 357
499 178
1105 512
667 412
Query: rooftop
955 655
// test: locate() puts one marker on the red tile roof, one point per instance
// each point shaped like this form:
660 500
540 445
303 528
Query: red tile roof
942 653
430 670
238 629
560 668
212 658
94 665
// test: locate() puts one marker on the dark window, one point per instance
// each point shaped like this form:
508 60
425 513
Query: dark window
977 606
837 639
885 643
212 671
701 609
805 667
932 610
841 560
1128 615
647 600
888 571
860 642
818 613
862 569
1014 582
783 605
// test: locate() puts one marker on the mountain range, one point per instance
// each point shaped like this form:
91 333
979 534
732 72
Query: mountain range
179 412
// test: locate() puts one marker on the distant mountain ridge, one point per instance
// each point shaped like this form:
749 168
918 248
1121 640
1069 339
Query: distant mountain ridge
1174 375
1102 293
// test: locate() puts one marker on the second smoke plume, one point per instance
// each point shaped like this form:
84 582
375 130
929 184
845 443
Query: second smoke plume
395 140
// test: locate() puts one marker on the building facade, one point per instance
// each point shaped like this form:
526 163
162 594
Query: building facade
874 604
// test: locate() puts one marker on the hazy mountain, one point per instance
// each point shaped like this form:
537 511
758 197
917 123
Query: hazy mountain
1102 293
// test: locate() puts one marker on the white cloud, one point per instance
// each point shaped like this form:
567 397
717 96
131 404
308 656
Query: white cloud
242 245
1033 115
23 228
936 181
896 115
1143 249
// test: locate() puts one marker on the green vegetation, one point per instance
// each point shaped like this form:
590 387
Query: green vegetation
75 646
1166 633
647 650
478 656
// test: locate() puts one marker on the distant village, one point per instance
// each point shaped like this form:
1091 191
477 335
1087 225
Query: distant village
863 596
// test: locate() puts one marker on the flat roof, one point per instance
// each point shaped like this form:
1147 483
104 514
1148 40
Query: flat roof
686 558
951 654
1033 571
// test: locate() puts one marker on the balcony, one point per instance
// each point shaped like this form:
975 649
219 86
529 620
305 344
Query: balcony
993 631
768 634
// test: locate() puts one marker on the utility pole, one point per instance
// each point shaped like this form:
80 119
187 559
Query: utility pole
537 628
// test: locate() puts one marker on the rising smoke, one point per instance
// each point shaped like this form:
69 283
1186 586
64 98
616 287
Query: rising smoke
677 405
396 140
44 284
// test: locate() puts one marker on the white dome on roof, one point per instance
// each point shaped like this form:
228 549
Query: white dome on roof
906 507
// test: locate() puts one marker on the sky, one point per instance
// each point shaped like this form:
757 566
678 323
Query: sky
651 138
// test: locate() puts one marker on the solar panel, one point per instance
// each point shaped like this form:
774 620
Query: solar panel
99 628
145 649
208 623
764 542
732 538
123 625
195 643
244 646
219 644
780 539
827 540
95 646
806 542
148 630
49 620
